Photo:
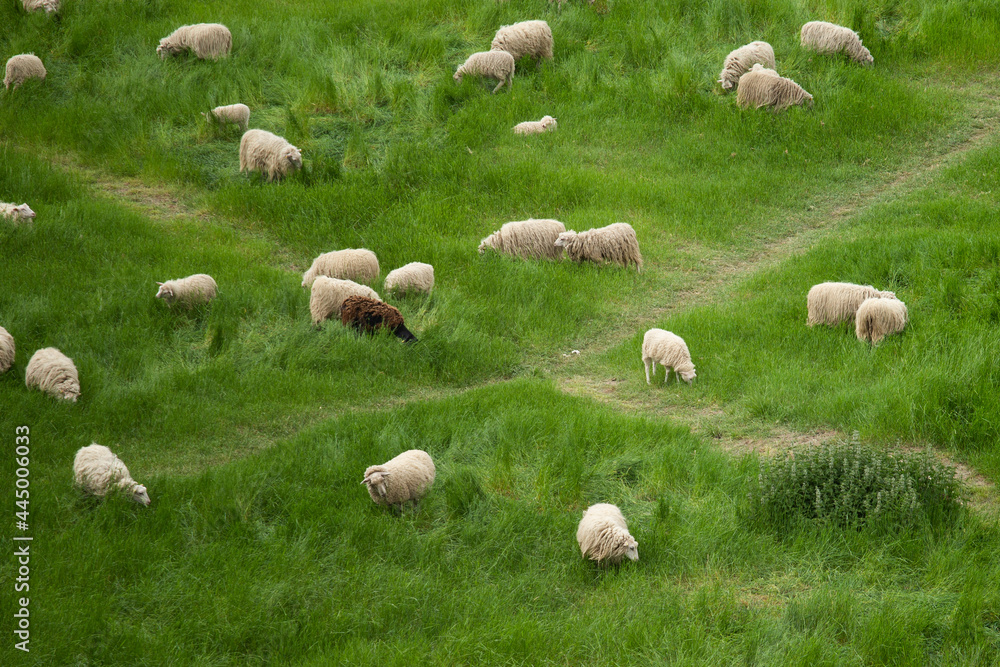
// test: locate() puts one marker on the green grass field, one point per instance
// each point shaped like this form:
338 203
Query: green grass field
252 429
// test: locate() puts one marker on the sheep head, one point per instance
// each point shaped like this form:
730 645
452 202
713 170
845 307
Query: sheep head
631 547
165 292
140 496
165 49
484 244
294 156
23 211
687 376
548 121
457 76
376 479
565 239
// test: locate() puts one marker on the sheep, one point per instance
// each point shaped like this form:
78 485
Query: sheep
207 40
328 295
49 6
739 62
22 67
497 65
764 88
16 212
527 38
671 351
833 303
199 288
526 238
7 350
271 154
237 114
877 318
349 264
51 371
546 124
615 243
401 479
367 315
829 38
412 277
603 536
96 470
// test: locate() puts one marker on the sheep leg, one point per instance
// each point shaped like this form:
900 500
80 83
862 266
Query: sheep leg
646 363
499 85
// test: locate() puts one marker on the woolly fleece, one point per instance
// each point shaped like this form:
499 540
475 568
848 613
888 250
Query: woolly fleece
358 264
603 535
97 471
529 238
328 295
54 373
670 351
402 479
615 243
832 303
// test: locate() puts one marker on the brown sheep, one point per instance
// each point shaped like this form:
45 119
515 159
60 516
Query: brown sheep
366 315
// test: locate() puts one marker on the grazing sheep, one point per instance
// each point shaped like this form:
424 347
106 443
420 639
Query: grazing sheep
97 471
526 238
603 536
739 62
829 38
546 124
22 67
367 315
833 303
16 212
199 288
271 154
764 88
527 38
615 243
348 264
671 351
207 40
497 65
412 277
49 6
53 372
877 318
328 295
237 114
401 479
7 350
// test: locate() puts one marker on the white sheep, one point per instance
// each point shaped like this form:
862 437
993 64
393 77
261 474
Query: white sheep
271 154
739 62
833 303
49 6
412 277
497 65
529 238
671 351
328 295
51 371
207 40
762 87
199 288
97 471
237 114
7 350
829 38
877 318
348 264
603 536
527 38
615 243
16 211
401 479
22 67
546 124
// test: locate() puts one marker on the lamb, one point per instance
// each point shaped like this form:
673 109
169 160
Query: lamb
497 65
7 350
671 351
529 238
401 479
22 67
833 303
190 291
49 6
546 124
877 318
207 40
412 277
16 212
527 38
97 471
829 38
54 373
367 315
328 295
348 264
271 154
764 88
603 536
615 243
739 62
237 114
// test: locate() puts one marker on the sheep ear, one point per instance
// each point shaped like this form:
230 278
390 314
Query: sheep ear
386 474
159 283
